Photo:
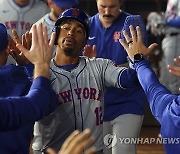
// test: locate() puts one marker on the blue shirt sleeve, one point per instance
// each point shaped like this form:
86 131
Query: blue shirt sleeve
158 96
128 78
39 102
173 23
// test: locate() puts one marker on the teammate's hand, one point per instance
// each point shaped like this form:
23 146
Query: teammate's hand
76 143
41 50
15 52
135 44
89 51
175 70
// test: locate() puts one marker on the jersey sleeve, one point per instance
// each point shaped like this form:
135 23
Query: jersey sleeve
17 111
158 95
120 77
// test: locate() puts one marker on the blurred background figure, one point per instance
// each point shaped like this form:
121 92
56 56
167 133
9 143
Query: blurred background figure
171 45
155 27
20 15
56 8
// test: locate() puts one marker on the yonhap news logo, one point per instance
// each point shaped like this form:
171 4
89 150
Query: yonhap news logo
110 140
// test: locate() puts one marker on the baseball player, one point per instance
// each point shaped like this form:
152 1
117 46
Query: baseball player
124 109
20 15
79 83
170 44
16 137
163 104
56 8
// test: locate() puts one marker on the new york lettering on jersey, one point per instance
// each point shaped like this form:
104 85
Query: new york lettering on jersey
24 26
81 93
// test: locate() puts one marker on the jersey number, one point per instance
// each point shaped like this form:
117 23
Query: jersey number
99 116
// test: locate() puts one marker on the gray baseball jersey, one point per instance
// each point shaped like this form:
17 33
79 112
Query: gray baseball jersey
46 21
80 94
21 18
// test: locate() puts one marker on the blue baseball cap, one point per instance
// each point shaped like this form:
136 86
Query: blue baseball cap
4 40
77 15
66 3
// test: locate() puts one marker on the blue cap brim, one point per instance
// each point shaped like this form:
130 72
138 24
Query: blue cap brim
66 3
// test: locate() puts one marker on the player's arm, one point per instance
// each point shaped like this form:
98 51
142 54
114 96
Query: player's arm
41 100
155 92
18 111
120 77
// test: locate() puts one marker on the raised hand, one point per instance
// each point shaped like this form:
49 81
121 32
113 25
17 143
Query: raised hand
89 51
76 143
175 70
15 52
135 44
41 50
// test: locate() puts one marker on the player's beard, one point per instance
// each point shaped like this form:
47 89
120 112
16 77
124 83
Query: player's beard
68 51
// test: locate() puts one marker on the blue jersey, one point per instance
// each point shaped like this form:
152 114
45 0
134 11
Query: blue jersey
16 111
17 135
117 101
164 106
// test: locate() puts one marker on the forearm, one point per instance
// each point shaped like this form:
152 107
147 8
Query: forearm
17 111
41 70
128 78
158 96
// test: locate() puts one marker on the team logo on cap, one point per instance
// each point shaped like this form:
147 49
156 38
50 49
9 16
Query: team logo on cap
75 13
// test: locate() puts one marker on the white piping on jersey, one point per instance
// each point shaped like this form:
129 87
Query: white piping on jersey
119 76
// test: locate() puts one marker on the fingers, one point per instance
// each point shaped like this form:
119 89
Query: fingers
82 140
91 150
77 142
151 48
94 54
69 140
40 34
133 33
22 49
139 34
125 45
89 51
34 34
45 36
50 151
175 70
16 37
127 38
53 36
177 61
28 39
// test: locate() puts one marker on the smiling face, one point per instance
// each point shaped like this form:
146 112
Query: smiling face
71 38
108 11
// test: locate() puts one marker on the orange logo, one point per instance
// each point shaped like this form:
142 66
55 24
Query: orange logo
75 13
